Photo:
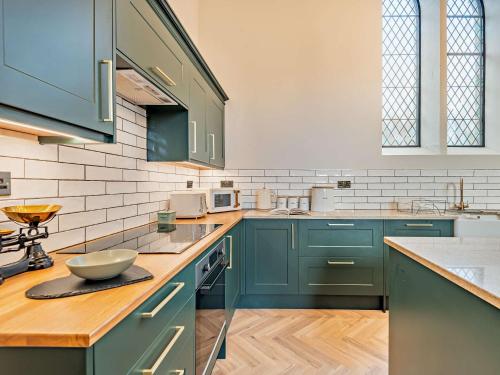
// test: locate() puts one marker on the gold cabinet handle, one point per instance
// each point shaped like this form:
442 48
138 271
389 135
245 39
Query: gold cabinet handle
340 225
165 352
293 236
162 304
163 76
341 263
178 372
109 73
195 138
420 225
230 252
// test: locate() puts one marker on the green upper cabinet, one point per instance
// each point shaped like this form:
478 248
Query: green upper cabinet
143 38
271 257
57 66
198 148
215 131
234 250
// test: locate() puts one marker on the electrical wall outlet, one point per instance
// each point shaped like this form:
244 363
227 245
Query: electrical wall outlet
227 184
4 183
344 184
189 184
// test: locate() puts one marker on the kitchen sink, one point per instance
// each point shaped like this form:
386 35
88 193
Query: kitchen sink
478 224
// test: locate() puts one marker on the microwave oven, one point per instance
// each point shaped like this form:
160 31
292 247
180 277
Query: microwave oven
222 200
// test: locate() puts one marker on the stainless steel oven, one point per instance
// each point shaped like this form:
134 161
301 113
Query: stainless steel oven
210 307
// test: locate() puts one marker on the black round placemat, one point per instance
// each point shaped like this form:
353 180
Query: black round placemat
74 286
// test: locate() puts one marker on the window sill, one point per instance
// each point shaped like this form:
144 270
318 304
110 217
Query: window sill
410 151
472 151
451 151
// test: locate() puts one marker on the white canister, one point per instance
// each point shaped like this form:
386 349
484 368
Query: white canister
304 203
323 199
293 202
265 199
281 203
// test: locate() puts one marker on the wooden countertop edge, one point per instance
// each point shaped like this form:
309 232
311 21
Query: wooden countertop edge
84 340
474 289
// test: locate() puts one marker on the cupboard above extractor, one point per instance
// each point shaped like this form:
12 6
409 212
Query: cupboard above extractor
152 42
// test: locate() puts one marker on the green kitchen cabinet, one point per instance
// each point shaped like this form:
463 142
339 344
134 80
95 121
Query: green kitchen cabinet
198 146
341 238
215 131
142 37
412 228
57 66
233 272
438 327
341 276
271 257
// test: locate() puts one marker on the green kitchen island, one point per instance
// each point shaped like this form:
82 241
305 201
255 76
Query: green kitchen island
445 306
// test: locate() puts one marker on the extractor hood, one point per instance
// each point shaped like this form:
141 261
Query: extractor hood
138 90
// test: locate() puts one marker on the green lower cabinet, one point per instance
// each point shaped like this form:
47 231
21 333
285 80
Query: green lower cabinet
173 352
412 228
271 257
437 327
341 276
233 271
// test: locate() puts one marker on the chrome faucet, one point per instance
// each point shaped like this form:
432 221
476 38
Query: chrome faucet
462 205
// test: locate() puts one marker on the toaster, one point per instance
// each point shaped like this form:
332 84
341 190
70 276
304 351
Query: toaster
188 204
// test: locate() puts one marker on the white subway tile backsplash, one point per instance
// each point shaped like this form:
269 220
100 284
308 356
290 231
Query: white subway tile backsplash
120 162
80 188
31 188
104 229
121 187
81 156
103 174
103 201
12 165
121 212
81 219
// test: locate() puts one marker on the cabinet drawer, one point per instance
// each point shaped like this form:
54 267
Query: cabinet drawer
341 275
419 228
145 40
130 339
173 351
341 238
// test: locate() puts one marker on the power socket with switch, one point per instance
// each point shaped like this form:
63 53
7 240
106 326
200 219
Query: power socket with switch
344 184
227 184
4 183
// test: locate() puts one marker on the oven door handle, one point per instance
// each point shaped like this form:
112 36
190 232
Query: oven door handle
207 288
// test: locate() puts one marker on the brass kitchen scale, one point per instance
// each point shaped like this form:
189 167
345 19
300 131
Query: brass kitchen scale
34 257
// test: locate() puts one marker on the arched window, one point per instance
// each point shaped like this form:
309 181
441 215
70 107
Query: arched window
465 39
401 73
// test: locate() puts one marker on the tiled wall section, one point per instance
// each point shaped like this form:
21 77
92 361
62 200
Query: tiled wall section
371 189
102 188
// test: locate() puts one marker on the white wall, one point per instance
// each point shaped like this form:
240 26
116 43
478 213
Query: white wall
188 13
304 79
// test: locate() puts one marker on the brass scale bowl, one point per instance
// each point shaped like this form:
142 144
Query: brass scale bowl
35 257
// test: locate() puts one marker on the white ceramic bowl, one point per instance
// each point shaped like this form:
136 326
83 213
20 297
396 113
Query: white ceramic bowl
102 265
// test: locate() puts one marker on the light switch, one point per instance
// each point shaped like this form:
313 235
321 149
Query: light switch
4 183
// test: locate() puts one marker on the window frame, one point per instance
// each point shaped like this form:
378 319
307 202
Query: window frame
483 80
418 143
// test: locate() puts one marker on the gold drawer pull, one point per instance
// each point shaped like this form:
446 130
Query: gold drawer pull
162 304
340 225
419 225
165 352
343 263
178 372
163 76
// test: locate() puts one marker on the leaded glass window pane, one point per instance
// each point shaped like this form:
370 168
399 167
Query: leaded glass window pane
465 40
401 73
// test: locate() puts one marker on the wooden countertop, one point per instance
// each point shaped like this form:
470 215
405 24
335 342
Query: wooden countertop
472 263
82 320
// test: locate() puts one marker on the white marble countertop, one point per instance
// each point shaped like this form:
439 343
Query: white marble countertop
354 214
470 262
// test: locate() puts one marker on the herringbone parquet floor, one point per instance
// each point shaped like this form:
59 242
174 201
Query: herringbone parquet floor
296 342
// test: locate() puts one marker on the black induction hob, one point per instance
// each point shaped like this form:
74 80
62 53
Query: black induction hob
149 239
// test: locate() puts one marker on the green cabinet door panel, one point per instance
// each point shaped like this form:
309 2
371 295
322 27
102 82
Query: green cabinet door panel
215 131
179 335
271 258
53 60
233 271
143 37
130 339
413 228
437 327
341 276
198 147
341 238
